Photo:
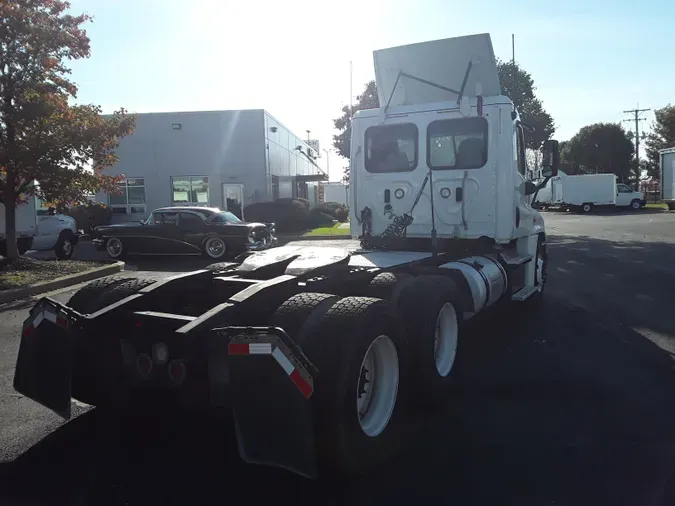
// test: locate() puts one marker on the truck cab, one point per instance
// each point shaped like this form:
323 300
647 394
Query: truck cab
446 149
54 231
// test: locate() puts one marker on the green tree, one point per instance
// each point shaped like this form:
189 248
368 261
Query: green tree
516 84
43 137
341 141
661 136
600 148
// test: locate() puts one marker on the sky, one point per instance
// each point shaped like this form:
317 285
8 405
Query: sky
590 60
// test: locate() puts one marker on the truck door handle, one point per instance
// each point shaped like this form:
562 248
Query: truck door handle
459 194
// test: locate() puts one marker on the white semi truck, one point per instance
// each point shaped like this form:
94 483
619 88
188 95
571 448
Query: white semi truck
322 354
40 228
667 166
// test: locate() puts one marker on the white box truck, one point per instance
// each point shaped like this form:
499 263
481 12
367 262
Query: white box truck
41 229
667 165
26 227
587 191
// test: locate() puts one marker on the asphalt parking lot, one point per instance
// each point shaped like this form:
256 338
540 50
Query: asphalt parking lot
570 405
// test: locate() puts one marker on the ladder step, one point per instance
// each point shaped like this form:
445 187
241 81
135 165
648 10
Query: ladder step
524 293
515 259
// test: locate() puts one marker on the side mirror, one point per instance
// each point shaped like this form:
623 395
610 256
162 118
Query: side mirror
528 188
550 162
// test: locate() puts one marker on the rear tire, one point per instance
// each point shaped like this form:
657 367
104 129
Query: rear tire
87 298
586 208
671 206
431 311
339 337
386 285
97 363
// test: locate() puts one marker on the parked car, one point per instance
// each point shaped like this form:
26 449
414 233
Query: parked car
185 231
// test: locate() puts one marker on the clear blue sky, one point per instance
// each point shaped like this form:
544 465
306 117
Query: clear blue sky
590 59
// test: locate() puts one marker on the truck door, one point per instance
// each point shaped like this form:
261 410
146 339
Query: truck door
624 195
47 227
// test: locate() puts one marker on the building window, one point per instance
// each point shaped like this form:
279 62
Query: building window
391 148
131 197
275 187
190 190
457 143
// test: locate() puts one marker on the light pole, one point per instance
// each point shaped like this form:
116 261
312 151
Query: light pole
327 151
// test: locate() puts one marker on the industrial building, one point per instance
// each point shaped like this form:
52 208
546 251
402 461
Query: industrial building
225 159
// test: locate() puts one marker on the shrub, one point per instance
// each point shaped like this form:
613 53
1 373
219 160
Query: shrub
338 211
317 218
90 215
289 215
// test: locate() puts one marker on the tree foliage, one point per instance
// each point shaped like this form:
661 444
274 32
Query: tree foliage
662 136
43 137
599 148
517 84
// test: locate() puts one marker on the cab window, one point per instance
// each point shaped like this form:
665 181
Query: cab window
520 150
622 188
457 144
391 148
165 218
190 220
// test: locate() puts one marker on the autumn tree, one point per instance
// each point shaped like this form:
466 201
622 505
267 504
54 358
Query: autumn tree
517 84
43 136
600 148
662 136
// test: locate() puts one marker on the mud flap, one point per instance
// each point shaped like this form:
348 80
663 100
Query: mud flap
271 391
45 361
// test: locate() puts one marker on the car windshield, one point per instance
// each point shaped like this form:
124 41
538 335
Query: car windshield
224 217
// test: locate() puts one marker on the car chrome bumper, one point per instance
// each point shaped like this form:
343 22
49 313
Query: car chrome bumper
266 243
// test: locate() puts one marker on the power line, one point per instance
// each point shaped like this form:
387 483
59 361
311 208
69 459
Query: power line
636 118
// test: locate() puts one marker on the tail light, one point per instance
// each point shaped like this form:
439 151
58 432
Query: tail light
177 371
144 364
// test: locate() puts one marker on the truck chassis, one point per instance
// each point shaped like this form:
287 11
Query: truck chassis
310 340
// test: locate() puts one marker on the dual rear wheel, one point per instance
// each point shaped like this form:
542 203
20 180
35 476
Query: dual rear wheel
379 362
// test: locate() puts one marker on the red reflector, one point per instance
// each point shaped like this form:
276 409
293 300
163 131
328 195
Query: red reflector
144 364
29 330
61 322
177 371
238 349
138 323
300 382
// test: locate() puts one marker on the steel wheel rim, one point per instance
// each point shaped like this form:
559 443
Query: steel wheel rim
445 339
67 247
114 247
215 247
636 205
586 208
377 387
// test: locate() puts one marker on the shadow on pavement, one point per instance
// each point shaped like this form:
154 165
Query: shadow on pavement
567 405
550 408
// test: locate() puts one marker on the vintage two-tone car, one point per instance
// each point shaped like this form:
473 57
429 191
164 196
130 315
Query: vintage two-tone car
185 231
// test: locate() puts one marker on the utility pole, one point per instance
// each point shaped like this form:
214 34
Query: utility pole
636 118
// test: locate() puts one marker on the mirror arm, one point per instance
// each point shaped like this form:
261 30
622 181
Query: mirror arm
539 187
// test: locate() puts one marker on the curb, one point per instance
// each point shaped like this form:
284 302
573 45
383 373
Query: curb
62 282
292 238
